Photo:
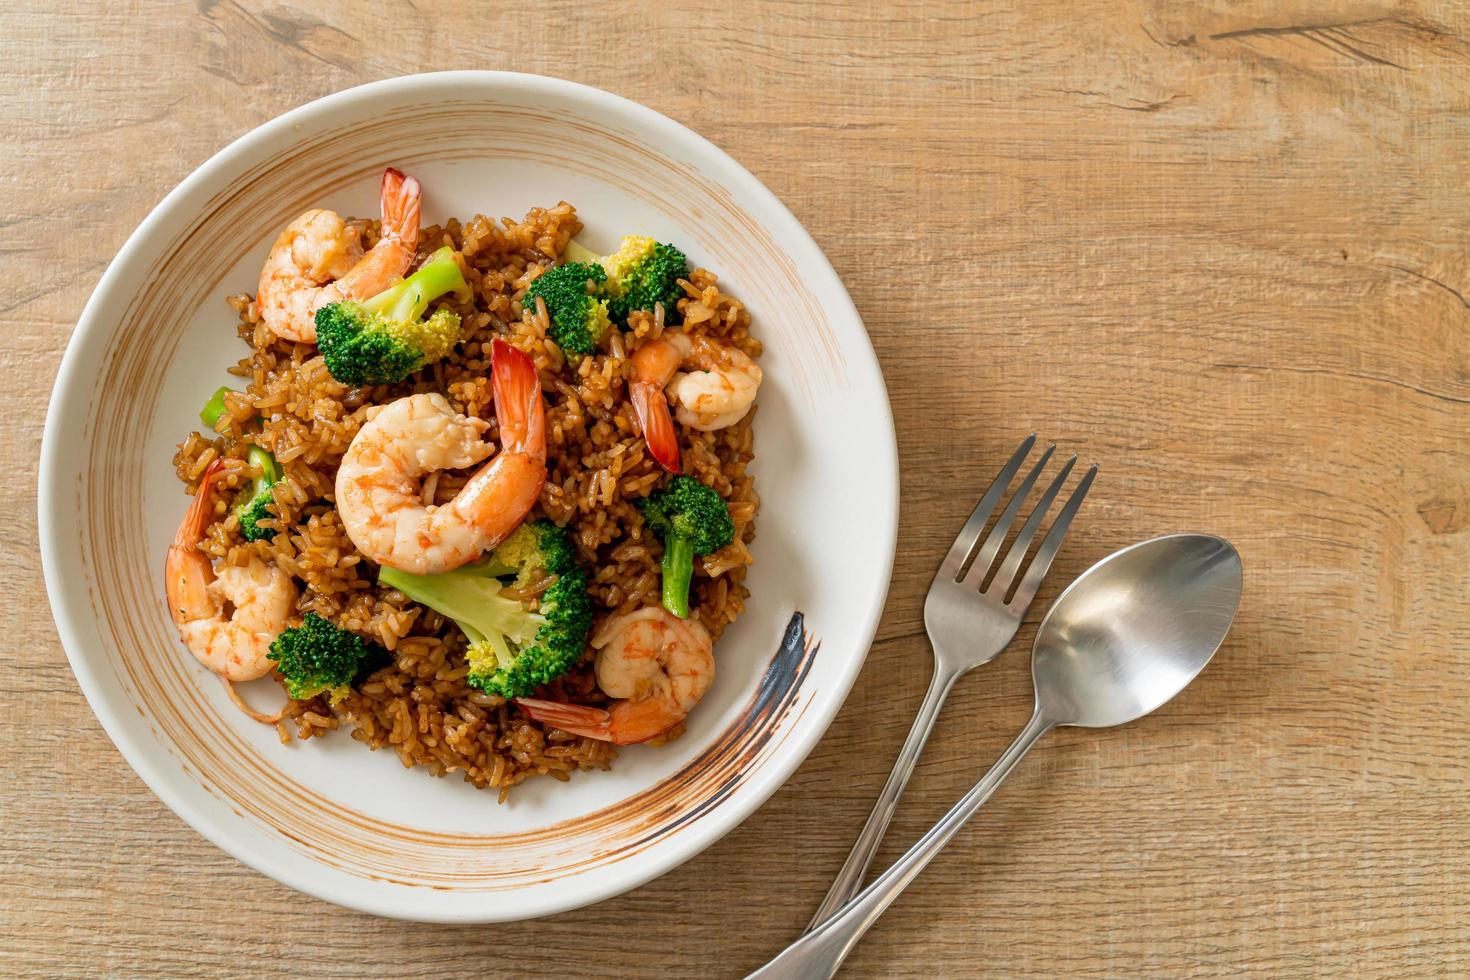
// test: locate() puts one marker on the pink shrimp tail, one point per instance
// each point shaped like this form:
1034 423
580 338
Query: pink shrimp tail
400 200
518 406
186 570
578 719
498 497
652 409
196 518
625 723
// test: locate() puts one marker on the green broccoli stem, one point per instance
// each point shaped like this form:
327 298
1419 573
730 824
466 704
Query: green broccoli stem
214 409
470 596
248 506
407 301
577 252
270 470
677 568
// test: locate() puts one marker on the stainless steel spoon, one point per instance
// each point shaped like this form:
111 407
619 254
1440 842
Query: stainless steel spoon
1127 636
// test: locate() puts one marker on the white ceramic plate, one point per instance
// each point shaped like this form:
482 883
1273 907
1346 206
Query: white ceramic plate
352 826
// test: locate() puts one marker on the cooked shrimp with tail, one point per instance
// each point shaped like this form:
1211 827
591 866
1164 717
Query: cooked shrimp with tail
227 618
378 484
319 259
655 663
713 386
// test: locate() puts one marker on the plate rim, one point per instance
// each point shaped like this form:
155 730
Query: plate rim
142 758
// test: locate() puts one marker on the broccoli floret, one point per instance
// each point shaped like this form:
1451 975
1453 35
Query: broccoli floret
254 503
512 650
641 273
319 657
517 671
578 315
691 519
383 340
534 549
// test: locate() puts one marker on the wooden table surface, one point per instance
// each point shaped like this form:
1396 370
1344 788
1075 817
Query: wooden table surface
1220 249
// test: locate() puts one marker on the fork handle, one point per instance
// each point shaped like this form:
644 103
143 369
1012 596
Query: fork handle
849 880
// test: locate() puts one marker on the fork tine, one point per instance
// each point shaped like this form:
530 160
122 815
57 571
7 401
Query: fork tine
969 535
976 575
1017 554
1051 544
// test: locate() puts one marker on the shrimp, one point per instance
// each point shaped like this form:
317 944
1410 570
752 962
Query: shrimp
234 644
657 664
715 394
378 493
318 260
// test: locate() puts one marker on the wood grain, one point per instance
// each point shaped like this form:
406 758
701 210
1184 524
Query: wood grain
1221 249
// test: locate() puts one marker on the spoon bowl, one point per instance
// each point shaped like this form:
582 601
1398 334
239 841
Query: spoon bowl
1135 629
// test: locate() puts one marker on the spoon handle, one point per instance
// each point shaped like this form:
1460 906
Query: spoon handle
820 952
849 880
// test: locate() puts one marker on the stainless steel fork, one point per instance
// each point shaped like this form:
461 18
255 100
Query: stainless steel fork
970 621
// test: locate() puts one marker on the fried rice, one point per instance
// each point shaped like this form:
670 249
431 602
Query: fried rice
420 705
